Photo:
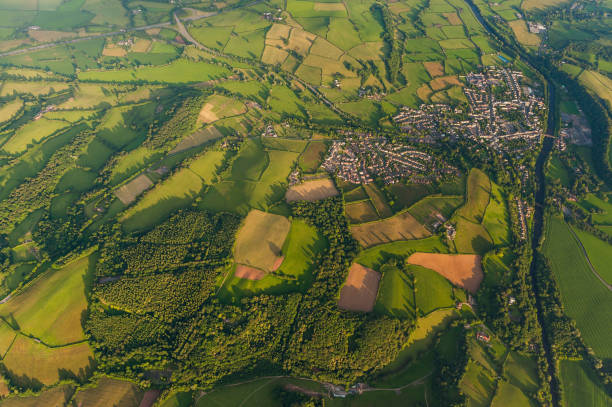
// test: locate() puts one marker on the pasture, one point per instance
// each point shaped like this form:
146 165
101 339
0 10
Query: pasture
598 83
478 192
53 397
496 219
33 360
178 71
599 253
260 240
206 165
435 208
584 297
463 270
10 109
360 212
431 290
31 133
402 226
313 155
601 210
50 307
471 237
523 35
313 190
360 289
396 293
581 386
218 107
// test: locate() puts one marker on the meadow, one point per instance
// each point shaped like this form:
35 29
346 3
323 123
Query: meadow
496 219
178 71
477 196
50 307
584 297
396 293
109 392
599 253
581 385
377 255
402 226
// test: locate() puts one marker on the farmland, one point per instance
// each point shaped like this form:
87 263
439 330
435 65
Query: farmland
360 289
463 270
581 291
399 227
580 386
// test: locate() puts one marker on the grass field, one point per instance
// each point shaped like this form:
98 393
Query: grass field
35 361
178 71
584 297
32 132
109 392
471 237
581 386
205 166
50 308
478 385
311 158
313 190
463 270
496 217
10 109
360 212
477 196
598 83
601 209
260 240
56 397
396 293
523 35
432 291
428 209
599 252
171 194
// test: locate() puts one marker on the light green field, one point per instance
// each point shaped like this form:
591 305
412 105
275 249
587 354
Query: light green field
496 217
132 162
426 209
580 386
50 308
377 255
478 385
10 109
602 210
178 71
206 165
251 161
471 237
598 83
109 392
36 361
584 297
32 132
521 371
599 253
260 239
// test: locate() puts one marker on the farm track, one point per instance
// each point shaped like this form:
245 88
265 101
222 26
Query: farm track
586 256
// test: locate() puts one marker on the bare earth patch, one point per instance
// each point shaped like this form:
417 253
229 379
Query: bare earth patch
463 270
112 50
360 289
399 227
443 82
207 115
312 190
434 68
249 273
130 191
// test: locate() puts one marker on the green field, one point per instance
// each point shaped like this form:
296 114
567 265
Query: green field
179 71
584 297
581 386
601 209
599 253
496 219
477 196
50 307
396 293
432 291
377 255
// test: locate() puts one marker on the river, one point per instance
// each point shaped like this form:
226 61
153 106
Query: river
540 199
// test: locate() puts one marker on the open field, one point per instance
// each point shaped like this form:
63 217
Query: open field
50 308
360 289
32 132
207 164
178 71
311 158
581 387
38 362
478 385
432 208
109 392
601 209
402 226
311 190
10 109
598 83
508 395
496 219
584 297
129 192
218 107
248 273
463 270
360 212
523 35
599 253
432 291
471 237
260 240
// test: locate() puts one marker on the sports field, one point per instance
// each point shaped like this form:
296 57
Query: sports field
260 240
584 297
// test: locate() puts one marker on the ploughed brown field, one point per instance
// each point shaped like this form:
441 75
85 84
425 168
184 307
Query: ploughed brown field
312 190
463 270
360 289
249 273
399 227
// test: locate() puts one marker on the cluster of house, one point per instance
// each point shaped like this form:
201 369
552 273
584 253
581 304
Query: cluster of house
523 213
272 17
361 161
499 109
